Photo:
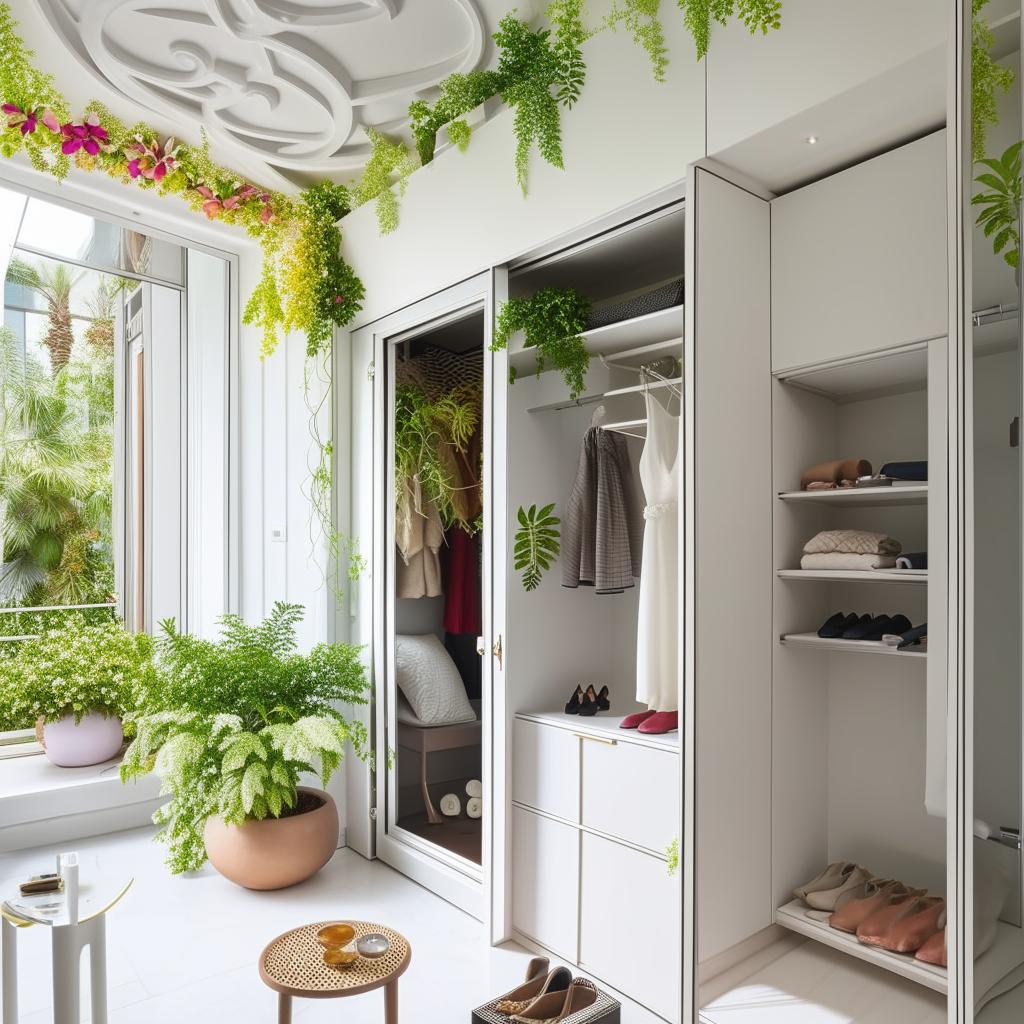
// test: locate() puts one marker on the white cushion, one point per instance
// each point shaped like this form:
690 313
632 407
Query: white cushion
430 681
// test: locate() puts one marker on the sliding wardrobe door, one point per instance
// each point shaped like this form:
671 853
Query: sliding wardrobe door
438 600
991 941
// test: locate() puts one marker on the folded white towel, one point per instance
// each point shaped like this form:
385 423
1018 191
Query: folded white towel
451 805
473 788
838 560
474 807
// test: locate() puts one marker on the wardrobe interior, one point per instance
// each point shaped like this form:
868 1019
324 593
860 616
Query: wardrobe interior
823 312
436 426
590 802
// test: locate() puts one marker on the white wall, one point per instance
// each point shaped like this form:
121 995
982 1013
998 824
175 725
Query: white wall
627 137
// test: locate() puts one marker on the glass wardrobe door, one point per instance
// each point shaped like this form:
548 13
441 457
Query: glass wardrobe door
993 374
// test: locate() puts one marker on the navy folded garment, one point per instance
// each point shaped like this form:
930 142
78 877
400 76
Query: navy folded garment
912 560
906 470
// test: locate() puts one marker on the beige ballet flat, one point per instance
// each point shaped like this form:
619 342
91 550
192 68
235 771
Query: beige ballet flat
854 884
556 1006
539 982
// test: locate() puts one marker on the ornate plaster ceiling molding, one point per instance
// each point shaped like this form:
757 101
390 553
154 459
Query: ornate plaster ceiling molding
284 88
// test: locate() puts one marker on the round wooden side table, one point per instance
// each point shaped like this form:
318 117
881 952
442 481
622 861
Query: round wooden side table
293 965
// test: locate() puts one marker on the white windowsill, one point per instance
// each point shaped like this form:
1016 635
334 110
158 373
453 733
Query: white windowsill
38 799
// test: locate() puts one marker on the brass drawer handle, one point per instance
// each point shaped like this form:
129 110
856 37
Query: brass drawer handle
596 739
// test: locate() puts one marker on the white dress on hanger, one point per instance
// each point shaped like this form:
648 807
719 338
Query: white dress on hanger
657 658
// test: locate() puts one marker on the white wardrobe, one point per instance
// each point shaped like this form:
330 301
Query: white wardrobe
823 315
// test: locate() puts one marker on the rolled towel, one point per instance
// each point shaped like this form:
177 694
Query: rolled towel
474 807
852 542
451 805
913 560
473 788
906 470
844 562
835 472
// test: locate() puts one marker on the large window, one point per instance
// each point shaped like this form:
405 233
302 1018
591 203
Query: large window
114 399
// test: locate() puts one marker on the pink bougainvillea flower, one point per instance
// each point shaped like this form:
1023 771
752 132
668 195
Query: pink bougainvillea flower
90 135
49 118
150 159
18 118
214 205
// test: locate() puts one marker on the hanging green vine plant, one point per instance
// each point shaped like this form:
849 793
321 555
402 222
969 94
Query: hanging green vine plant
757 15
389 160
987 77
553 321
459 95
641 19
537 543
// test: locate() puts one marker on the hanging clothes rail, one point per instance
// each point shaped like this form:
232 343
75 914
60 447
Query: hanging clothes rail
613 393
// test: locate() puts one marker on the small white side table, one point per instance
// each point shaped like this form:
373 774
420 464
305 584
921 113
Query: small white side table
77 921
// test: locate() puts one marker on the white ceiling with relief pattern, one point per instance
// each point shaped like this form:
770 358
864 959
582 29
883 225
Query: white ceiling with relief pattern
284 88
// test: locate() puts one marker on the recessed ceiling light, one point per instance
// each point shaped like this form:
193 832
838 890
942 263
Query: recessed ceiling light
811 140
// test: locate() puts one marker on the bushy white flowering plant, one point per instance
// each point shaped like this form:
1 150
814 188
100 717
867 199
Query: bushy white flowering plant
231 726
73 669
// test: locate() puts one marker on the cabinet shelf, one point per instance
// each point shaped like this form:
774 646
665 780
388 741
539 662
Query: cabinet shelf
905 576
794 917
838 644
861 497
645 337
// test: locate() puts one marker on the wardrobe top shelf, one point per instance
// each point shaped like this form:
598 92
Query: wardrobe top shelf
659 332
603 727
861 497
915 576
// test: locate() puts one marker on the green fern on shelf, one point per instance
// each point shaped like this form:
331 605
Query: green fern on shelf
537 543
388 168
566 18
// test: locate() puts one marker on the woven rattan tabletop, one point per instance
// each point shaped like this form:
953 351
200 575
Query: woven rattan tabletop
294 963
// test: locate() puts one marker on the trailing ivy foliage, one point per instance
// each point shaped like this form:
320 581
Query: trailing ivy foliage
230 726
1000 213
566 18
987 77
552 320
530 69
537 543
641 19
757 15
459 95
388 160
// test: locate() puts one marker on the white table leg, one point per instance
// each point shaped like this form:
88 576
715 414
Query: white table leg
98 968
10 972
67 954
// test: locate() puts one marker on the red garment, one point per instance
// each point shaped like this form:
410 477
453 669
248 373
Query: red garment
461 583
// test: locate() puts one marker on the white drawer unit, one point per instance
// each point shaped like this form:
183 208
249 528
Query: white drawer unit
593 812
630 792
547 770
630 923
545 865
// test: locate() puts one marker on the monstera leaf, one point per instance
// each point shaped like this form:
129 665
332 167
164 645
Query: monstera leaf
536 544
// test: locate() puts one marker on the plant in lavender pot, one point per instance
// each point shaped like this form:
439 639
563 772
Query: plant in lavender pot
77 682
232 727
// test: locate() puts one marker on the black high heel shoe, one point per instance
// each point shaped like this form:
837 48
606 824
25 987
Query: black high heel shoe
601 698
575 702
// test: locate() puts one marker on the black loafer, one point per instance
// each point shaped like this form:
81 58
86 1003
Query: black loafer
856 630
836 625
912 637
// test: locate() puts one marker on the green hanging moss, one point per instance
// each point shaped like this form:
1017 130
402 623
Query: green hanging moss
987 77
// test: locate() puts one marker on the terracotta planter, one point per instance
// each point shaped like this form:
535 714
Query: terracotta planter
95 739
276 852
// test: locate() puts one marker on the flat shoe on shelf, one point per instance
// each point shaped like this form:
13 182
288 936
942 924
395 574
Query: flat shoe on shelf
855 883
853 631
850 914
919 923
539 983
634 720
934 950
874 929
831 878
556 1006
660 722
835 626
890 624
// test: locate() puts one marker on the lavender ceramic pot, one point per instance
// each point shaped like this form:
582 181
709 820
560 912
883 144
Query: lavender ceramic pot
95 739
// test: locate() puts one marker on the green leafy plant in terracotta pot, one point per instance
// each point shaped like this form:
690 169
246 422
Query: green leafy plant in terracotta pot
231 727
77 681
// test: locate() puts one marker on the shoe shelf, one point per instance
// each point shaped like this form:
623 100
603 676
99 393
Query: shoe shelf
794 916
861 497
604 727
812 640
912 576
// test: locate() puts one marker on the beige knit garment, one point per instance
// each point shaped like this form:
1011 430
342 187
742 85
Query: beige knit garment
852 542
418 536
